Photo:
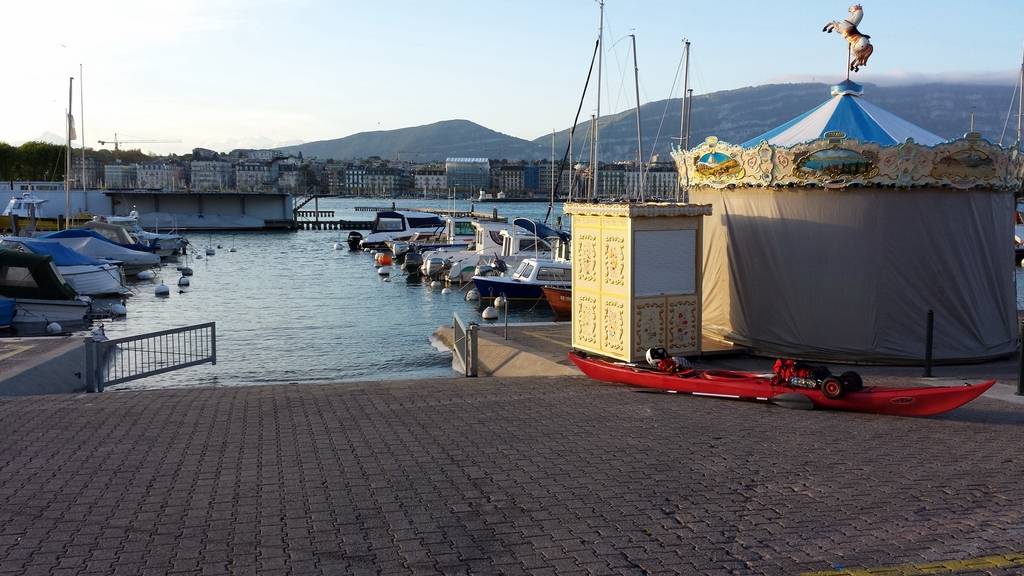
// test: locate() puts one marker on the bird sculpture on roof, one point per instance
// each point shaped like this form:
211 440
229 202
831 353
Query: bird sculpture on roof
860 45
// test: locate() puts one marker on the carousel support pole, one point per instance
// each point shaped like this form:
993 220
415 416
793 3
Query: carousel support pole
928 344
849 56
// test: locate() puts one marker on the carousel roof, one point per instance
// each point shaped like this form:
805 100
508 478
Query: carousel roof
848 113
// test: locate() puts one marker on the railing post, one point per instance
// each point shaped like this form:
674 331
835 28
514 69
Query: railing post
471 345
505 300
1020 367
928 344
213 343
90 365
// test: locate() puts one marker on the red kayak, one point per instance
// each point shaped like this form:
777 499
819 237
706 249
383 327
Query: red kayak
922 401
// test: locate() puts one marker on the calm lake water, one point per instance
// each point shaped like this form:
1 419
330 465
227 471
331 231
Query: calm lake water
290 308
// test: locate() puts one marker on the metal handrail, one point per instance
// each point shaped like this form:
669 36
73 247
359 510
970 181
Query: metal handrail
121 360
464 345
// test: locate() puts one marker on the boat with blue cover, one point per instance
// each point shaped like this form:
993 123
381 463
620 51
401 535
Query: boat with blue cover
87 275
527 281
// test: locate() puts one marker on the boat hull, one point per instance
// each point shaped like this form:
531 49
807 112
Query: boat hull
33 311
560 300
94 280
922 401
494 286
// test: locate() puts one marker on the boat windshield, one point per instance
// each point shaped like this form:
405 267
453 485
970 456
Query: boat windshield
525 270
546 274
388 225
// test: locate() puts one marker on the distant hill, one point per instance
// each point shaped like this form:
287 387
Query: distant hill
732 115
450 138
736 116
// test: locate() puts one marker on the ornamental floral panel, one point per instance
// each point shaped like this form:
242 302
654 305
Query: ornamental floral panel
834 161
584 259
649 326
614 324
683 328
585 319
614 257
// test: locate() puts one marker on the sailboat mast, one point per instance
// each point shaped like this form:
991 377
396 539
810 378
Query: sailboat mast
67 157
639 134
1020 101
593 168
686 86
551 169
81 118
689 112
593 146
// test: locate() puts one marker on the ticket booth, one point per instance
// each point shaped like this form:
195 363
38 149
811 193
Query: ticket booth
636 278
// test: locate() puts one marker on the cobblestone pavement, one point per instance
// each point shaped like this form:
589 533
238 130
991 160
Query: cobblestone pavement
556 476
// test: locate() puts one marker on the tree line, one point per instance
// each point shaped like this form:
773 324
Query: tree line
44 161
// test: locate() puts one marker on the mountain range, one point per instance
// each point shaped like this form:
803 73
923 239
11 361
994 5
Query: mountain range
732 115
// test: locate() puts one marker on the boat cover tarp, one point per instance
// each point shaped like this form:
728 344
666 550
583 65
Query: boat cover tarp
83 233
101 248
62 255
24 275
851 274
6 311
540 229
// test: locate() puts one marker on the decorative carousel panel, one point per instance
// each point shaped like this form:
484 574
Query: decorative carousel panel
584 261
683 325
584 316
835 161
648 325
613 332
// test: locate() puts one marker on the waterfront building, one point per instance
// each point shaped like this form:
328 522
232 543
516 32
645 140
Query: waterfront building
508 178
253 176
212 175
468 174
92 173
164 176
355 179
120 176
430 178
546 173
334 178
289 179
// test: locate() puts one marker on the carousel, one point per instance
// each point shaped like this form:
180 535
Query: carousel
835 234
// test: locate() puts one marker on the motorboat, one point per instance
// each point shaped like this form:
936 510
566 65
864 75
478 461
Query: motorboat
164 244
91 243
497 247
86 275
24 206
40 293
401 225
843 392
560 300
527 280
112 233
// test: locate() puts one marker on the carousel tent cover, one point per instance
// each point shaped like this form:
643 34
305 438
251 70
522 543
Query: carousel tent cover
850 114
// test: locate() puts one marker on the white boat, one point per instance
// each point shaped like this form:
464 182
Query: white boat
40 293
86 275
527 280
24 206
163 244
498 247
395 225
132 261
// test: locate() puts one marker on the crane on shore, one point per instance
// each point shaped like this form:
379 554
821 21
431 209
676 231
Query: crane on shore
117 143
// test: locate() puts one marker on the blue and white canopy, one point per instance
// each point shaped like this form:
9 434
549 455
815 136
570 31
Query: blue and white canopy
848 113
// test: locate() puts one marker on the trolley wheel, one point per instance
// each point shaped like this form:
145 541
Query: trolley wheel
832 387
851 381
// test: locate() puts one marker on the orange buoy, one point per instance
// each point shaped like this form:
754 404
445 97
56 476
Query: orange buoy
383 259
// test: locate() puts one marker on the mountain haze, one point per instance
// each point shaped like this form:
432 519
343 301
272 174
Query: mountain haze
734 116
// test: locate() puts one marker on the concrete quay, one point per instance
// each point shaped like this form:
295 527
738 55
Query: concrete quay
500 476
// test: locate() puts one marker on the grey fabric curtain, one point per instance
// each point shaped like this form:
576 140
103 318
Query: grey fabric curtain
849 275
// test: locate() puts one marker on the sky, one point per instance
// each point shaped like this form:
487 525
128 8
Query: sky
226 74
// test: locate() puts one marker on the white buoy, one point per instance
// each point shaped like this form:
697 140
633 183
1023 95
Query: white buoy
219 246
489 313
184 281
500 301
54 328
162 290
435 284
473 295
384 270
366 249
446 290
337 246
232 250
185 271
118 309
146 275
373 252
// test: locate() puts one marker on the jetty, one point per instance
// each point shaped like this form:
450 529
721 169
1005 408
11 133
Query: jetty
320 219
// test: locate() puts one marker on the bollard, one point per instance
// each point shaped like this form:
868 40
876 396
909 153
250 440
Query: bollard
928 344
1020 369
494 214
